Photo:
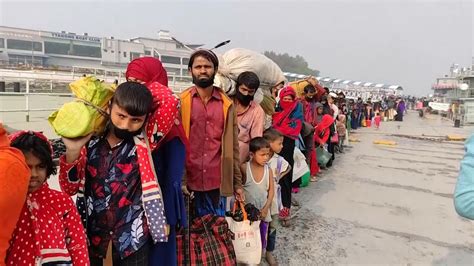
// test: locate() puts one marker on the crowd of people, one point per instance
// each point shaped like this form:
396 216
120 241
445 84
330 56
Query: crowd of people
169 166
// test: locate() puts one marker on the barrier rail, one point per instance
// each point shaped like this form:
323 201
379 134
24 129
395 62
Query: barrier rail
176 83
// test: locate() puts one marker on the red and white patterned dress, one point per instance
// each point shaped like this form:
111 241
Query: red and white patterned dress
49 231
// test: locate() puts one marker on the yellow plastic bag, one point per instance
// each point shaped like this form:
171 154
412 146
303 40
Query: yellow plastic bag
87 113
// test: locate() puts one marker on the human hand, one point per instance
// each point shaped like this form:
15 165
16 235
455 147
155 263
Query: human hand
263 213
186 192
74 146
239 194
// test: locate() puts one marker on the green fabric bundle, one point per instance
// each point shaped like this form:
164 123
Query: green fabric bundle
87 113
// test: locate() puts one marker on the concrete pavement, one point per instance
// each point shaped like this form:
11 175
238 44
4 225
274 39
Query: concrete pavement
384 205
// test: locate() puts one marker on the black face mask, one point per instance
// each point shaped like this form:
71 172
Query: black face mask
243 99
124 133
203 82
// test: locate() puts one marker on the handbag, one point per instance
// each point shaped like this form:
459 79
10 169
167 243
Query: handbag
323 156
247 242
307 129
300 167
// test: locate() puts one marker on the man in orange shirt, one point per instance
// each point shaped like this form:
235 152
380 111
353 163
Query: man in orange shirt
14 180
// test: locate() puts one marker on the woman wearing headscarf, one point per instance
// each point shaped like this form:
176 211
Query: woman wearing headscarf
288 120
400 110
169 157
354 115
322 130
310 112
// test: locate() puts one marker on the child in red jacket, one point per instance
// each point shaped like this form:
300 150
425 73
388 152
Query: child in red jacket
49 230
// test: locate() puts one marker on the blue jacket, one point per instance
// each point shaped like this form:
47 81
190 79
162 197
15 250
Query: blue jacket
464 193
169 161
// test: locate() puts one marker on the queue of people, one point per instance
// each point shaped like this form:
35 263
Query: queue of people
167 169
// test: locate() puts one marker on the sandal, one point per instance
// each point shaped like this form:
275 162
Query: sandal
284 214
285 223
313 179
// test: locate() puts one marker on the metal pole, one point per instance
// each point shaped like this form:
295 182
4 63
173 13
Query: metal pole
27 97
51 86
32 55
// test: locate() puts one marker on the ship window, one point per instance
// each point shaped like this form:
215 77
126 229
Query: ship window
185 61
170 59
2 43
147 52
24 45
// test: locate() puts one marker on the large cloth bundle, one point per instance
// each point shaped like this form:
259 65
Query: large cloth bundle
86 114
235 61
299 85
208 241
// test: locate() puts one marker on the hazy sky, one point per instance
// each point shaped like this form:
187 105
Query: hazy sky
409 43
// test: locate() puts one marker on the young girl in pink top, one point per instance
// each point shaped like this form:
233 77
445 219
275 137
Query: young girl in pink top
377 120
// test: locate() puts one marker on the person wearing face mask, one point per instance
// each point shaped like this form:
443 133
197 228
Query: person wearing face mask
326 108
309 111
309 104
169 159
288 120
118 195
210 123
250 116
